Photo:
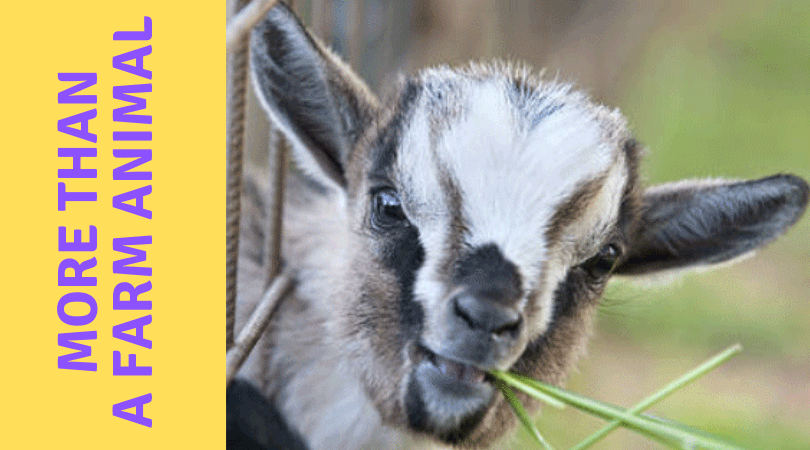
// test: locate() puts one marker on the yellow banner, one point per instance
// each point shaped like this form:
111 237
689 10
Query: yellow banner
113 218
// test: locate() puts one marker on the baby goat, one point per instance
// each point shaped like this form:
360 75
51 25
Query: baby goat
470 220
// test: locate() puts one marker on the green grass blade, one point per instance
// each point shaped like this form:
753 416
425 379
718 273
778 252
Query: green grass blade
537 394
659 430
687 378
522 415
681 426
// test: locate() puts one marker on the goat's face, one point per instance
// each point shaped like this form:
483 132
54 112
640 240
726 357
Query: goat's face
476 195
485 210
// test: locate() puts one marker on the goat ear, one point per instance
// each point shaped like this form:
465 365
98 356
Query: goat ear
702 223
319 104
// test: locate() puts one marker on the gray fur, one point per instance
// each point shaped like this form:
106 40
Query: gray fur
712 221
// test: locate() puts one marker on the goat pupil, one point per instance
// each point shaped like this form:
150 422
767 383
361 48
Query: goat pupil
601 264
388 208
604 265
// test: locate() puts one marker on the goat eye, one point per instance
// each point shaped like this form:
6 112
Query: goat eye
386 209
602 263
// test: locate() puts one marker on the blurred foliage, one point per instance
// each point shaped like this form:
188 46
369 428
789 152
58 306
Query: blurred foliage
726 93
719 90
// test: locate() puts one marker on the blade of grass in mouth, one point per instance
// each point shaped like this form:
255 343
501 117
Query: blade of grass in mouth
663 431
670 433
522 415
512 379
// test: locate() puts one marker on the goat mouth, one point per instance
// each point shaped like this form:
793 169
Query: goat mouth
465 373
447 398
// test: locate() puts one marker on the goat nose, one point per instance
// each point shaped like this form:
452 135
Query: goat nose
487 315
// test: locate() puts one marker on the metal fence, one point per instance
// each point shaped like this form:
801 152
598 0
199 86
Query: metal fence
243 16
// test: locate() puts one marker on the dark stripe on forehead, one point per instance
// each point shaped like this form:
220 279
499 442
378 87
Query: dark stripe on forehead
534 106
631 198
572 208
455 239
384 149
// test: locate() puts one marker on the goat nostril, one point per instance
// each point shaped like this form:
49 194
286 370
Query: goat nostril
509 329
482 314
465 316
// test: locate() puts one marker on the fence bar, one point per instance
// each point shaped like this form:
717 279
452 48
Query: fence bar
244 21
277 169
237 75
256 324
357 22
322 20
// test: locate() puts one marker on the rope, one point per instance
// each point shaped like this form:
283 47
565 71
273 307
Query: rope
237 74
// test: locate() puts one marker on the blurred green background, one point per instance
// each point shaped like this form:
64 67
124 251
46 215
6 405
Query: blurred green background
713 89
718 90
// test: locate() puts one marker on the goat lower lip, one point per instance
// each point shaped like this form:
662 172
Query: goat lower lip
459 371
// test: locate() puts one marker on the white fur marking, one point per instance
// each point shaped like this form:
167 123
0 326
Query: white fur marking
511 176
